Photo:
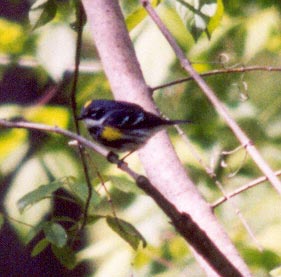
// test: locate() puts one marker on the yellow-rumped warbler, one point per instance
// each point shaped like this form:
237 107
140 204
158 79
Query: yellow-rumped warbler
122 126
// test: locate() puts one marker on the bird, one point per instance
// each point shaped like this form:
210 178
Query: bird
122 126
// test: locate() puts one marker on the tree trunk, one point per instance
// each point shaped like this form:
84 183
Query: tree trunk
161 164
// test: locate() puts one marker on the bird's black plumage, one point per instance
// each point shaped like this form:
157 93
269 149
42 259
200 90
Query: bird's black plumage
122 125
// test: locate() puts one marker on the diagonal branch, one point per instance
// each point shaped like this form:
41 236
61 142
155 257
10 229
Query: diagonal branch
53 129
183 222
159 159
220 108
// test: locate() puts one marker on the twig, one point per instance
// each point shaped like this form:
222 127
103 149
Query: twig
122 68
230 152
219 71
110 156
183 222
243 188
220 186
100 177
54 129
94 66
17 221
239 133
80 19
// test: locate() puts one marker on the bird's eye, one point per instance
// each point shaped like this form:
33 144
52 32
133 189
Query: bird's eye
97 114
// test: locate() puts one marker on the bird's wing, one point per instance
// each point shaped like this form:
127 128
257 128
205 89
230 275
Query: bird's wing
133 119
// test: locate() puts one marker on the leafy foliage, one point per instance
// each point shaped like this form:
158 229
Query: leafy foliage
215 35
200 16
39 247
138 15
81 192
12 37
55 234
65 255
47 10
1 221
37 195
127 231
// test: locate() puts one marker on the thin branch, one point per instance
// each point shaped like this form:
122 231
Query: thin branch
94 66
17 221
220 108
122 68
183 222
54 129
110 156
102 181
47 95
220 186
242 69
243 188
80 19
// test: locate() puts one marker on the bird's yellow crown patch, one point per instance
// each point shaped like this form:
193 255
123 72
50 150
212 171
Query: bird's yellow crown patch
87 104
111 134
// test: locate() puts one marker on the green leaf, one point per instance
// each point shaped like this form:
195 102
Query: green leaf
81 192
63 218
2 220
51 115
55 234
49 10
33 232
266 259
196 15
126 231
139 15
92 219
65 255
39 247
125 185
216 19
37 195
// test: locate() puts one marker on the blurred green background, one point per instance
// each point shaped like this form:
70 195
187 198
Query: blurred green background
36 68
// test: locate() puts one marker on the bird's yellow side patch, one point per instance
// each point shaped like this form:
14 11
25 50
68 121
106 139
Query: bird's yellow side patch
110 133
